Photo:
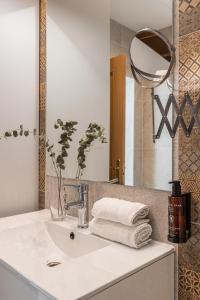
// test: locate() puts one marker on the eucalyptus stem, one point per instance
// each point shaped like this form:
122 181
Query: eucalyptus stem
18 133
57 176
93 132
59 197
54 165
78 173
59 159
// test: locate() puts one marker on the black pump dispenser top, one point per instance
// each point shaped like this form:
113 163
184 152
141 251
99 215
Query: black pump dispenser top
176 188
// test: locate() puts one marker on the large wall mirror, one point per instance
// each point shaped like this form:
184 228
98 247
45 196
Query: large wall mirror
90 81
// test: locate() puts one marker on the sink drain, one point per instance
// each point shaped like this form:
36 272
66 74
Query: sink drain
72 235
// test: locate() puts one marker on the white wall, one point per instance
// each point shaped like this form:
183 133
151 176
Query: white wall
163 146
19 105
129 131
78 70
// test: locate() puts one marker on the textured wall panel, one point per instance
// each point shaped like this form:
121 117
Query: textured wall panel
189 148
42 102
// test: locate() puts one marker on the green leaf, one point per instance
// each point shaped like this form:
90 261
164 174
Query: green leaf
15 133
26 133
50 148
64 153
7 134
74 123
21 130
60 122
64 136
62 167
60 160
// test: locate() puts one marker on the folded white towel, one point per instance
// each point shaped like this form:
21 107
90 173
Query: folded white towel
132 236
121 211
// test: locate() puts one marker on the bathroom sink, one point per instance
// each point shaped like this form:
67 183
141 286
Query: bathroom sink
72 242
46 241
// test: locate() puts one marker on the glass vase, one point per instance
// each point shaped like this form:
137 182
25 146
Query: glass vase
57 214
56 205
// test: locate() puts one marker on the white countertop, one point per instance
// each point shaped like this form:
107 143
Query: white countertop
81 277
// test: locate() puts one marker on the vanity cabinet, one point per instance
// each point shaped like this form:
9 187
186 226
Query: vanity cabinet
15 287
155 282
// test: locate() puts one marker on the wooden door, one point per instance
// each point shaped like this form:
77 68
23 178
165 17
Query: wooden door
117 117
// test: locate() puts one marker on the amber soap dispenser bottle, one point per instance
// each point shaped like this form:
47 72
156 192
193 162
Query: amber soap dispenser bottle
178 214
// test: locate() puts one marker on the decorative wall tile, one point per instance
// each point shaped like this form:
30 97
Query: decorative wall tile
189 154
189 287
189 15
42 101
192 184
189 148
189 71
186 6
189 61
42 168
189 253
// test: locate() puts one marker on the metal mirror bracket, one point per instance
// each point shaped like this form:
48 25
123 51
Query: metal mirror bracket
179 120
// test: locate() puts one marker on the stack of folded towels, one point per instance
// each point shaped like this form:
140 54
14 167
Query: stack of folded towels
121 221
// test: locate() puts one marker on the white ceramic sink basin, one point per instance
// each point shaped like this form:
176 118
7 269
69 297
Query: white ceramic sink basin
46 241
72 242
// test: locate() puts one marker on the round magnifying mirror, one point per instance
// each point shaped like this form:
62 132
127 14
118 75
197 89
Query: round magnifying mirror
152 57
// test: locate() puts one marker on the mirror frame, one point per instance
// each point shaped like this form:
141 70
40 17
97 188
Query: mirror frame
137 73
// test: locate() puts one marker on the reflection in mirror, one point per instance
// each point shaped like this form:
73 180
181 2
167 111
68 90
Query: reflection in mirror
152 57
89 80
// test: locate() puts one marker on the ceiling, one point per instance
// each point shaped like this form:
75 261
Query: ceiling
138 14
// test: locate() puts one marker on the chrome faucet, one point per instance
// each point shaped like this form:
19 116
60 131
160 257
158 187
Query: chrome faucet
82 205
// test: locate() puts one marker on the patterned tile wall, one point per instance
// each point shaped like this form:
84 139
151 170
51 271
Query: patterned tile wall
187 6
189 15
42 101
189 148
188 284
